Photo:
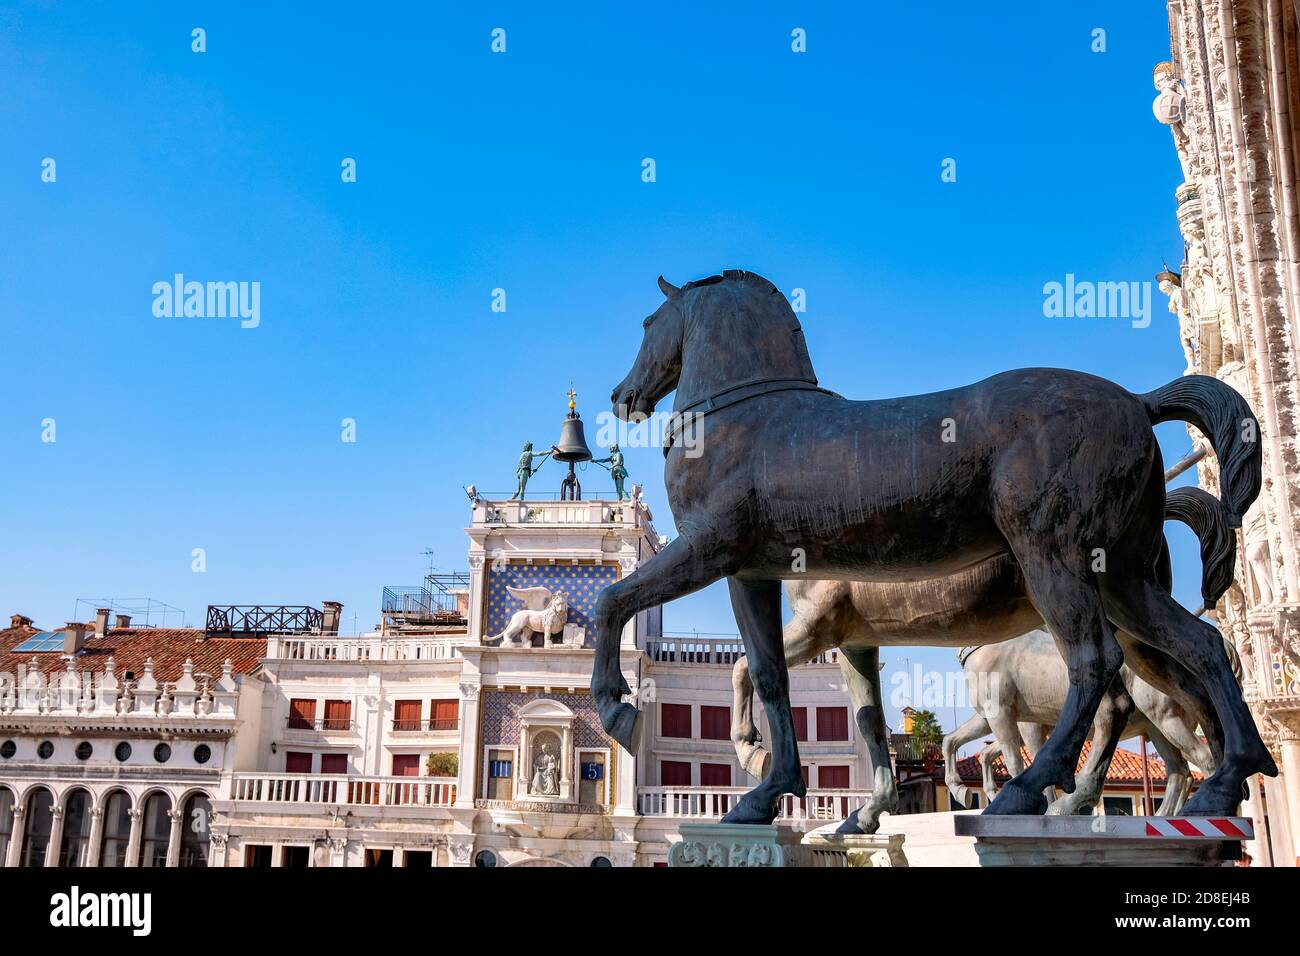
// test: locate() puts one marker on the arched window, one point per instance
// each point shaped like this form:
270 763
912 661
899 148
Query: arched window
6 822
76 830
157 830
194 831
117 830
36 832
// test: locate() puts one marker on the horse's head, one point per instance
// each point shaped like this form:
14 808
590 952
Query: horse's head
709 335
658 364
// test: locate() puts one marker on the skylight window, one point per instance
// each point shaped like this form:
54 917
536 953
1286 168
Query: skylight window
41 641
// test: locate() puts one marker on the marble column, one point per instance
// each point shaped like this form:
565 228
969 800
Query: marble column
56 837
1289 744
566 764
470 746
177 816
133 843
96 837
16 838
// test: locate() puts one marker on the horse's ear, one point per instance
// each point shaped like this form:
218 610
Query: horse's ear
667 288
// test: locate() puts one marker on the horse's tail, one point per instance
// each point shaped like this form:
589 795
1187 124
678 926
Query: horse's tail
1227 421
1205 515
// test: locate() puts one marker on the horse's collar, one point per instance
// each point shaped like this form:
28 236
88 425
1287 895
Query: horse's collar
733 395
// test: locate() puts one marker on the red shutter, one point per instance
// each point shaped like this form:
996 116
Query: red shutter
297 763
800 715
302 713
338 714
406 714
333 763
674 773
676 720
715 723
715 775
406 765
832 723
446 714
833 777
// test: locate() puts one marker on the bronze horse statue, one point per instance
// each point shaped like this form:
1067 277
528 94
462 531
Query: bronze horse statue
1058 469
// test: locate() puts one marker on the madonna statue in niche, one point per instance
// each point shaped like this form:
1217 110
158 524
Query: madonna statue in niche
546 772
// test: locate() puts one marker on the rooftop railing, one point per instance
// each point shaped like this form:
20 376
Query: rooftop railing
263 619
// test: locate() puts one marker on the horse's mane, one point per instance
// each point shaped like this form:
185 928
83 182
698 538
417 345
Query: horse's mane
735 275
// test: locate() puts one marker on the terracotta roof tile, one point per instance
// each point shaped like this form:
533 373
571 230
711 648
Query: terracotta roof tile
1125 767
130 647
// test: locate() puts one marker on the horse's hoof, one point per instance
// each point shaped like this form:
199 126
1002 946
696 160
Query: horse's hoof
850 824
1016 801
747 810
853 824
1212 801
623 723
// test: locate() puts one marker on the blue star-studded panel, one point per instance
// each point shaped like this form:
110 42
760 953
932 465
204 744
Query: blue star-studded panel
582 582
501 717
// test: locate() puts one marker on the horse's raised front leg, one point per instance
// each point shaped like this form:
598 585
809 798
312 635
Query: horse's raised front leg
973 729
757 605
804 640
677 570
861 669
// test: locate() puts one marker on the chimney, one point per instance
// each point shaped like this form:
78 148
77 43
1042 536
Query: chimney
123 620
101 621
20 620
74 637
330 615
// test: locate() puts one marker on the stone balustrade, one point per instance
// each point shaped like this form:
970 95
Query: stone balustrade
342 790
707 803
376 648
73 693
710 650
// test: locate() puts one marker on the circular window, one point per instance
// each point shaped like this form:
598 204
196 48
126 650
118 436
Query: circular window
601 861
122 751
485 858
162 753
202 753
46 750
84 750
8 749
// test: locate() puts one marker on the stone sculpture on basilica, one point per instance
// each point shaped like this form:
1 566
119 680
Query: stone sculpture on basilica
1170 109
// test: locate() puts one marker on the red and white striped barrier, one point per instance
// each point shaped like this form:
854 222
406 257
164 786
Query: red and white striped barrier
1200 828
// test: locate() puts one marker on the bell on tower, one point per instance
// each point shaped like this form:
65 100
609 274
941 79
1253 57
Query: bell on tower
572 448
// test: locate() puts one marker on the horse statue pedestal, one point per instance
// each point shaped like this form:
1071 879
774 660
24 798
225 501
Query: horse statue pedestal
739 845
1105 840
768 845
855 849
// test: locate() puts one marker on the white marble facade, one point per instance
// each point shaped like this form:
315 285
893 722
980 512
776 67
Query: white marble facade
1227 94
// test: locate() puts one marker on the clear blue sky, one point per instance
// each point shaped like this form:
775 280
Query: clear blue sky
520 171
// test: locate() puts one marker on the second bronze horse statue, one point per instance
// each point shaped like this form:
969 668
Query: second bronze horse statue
1059 469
